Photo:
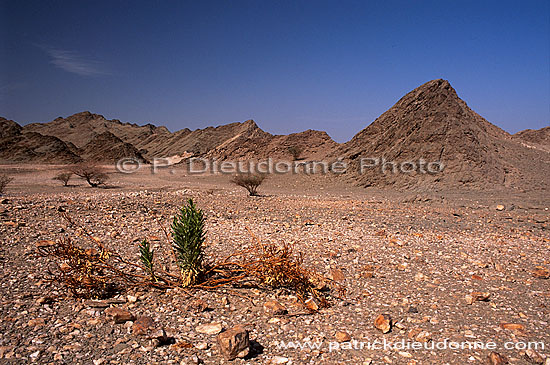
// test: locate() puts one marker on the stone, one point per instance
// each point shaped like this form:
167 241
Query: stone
234 343
495 358
197 306
96 303
312 305
337 275
533 357
209 328
477 297
383 323
36 322
512 326
367 271
541 273
277 360
342 336
142 326
119 315
500 207
201 346
274 308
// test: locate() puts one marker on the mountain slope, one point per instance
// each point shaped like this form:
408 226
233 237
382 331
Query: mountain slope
81 128
432 123
16 146
253 143
231 141
539 138
106 147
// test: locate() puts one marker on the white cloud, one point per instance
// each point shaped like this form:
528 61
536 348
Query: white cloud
72 62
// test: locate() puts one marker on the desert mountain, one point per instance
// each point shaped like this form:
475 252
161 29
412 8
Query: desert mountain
231 141
251 142
539 138
433 124
429 126
81 128
17 146
108 148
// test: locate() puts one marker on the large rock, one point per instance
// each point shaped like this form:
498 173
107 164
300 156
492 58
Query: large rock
234 343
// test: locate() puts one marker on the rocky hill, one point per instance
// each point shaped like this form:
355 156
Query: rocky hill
17 146
108 148
431 123
251 142
231 141
539 138
81 128
430 139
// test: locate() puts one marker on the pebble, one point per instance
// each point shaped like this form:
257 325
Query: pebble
209 328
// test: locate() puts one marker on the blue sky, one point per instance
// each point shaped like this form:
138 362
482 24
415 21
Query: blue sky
289 65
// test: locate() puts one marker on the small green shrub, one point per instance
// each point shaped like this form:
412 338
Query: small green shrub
146 256
188 236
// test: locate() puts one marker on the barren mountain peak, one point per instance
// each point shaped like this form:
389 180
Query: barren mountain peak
433 124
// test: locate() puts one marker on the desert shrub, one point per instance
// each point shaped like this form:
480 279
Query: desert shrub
99 272
4 181
93 174
249 181
64 177
187 239
295 152
146 256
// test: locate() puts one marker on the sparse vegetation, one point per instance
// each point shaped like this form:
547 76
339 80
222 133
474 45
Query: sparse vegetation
249 181
93 174
64 177
99 272
4 181
188 237
295 152
146 256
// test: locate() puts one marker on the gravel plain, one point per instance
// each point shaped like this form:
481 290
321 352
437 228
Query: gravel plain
415 256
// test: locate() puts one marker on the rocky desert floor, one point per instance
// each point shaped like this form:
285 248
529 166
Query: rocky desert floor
421 258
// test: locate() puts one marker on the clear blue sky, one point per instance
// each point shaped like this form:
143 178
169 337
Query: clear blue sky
289 65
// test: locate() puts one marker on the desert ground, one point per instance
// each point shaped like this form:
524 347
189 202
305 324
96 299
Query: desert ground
416 256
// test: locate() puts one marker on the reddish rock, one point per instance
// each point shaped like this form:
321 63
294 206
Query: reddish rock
342 336
143 325
234 343
274 308
119 315
383 323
